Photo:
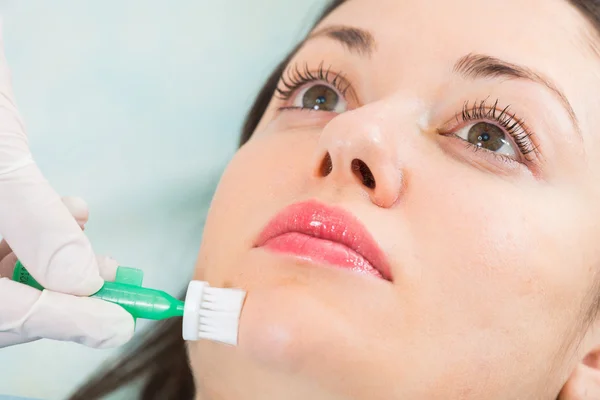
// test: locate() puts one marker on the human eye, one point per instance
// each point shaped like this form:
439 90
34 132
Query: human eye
317 90
495 130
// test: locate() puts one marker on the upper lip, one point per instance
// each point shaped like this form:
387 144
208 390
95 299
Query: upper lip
329 223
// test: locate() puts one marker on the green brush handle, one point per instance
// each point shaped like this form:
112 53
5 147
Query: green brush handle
126 291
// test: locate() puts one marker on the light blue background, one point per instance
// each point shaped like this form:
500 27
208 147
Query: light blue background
13 398
136 106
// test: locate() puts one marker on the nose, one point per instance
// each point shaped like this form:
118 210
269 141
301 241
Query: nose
352 151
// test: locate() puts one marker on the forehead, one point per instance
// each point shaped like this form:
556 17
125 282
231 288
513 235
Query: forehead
549 36
476 19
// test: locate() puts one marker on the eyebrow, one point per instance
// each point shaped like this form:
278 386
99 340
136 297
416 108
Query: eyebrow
471 66
477 66
356 40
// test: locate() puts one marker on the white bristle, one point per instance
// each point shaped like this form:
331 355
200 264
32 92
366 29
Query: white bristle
212 313
223 299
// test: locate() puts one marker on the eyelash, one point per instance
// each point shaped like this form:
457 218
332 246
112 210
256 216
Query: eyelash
512 124
294 78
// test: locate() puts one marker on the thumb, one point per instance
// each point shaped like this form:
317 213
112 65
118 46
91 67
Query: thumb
78 209
41 231
51 315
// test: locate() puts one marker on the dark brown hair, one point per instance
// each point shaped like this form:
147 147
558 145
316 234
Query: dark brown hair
159 364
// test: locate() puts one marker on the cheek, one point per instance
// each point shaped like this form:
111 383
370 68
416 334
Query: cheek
262 177
493 255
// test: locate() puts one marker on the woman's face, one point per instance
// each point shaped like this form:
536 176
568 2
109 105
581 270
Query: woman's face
461 136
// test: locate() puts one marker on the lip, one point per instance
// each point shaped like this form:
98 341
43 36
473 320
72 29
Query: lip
325 235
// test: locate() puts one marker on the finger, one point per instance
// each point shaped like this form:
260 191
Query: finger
78 209
108 268
44 235
21 298
34 221
76 206
51 315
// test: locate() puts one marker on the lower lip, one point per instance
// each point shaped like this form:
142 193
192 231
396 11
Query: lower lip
320 252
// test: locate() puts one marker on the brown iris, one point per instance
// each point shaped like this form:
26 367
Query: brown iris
320 97
487 136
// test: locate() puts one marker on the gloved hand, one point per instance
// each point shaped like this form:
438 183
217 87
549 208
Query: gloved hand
48 241
34 314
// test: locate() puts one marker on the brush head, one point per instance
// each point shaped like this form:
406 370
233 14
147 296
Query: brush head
212 313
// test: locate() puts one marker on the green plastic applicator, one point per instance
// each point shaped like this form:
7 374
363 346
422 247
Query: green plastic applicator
208 312
126 291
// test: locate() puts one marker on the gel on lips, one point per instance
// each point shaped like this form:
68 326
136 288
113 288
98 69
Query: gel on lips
324 234
320 250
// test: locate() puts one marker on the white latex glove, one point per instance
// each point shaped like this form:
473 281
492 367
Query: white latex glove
38 314
46 238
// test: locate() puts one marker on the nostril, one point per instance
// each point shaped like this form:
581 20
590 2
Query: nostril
326 166
362 171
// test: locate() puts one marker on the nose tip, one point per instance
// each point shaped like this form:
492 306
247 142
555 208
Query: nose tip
380 182
361 149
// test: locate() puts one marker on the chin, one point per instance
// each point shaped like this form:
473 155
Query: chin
295 310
